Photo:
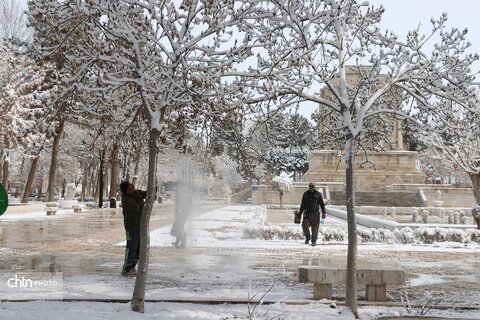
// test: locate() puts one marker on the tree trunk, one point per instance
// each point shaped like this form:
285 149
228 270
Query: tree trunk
101 179
476 186
31 178
351 296
115 163
53 163
136 171
97 187
84 182
138 298
64 187
40 189
476 191
5 162
91 183
4 169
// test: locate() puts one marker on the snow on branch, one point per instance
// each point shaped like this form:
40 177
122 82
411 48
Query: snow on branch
282 182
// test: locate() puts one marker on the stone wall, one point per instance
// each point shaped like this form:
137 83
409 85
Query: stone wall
395 181
391 167
449 196
265 194
440 195
408 195
240 196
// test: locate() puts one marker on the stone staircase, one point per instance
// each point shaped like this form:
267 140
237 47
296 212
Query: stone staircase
381 199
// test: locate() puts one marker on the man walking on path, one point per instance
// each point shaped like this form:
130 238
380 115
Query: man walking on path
312 201
132 206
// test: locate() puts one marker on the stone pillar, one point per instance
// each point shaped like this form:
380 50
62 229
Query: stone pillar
425 214
441 213
450 217
455 218
463 218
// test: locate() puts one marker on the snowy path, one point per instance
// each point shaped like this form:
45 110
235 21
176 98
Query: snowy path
218 264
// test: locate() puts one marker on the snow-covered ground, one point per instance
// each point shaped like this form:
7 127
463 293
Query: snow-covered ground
220 264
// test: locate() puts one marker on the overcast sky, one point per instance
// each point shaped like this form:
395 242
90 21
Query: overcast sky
404 15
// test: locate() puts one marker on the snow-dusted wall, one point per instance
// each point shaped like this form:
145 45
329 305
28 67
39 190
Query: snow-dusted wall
266 194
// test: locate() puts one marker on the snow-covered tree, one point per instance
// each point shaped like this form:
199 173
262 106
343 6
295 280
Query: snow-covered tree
24 119
158 59
292 160
282 183
13 21
436 172
279 141
458 147
311 45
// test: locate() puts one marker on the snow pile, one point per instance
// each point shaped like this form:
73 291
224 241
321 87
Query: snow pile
431 235
269 232
259 228
404 235
376 235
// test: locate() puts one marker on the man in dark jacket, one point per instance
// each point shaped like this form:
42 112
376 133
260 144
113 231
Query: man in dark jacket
132 206
312 201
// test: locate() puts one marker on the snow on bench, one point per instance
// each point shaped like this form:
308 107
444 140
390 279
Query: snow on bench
76 209
375 279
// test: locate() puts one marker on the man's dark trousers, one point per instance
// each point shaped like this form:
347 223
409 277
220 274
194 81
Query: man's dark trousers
311 220
132 250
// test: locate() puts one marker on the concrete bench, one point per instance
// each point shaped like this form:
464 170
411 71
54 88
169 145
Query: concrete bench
375 280
77 209
51 208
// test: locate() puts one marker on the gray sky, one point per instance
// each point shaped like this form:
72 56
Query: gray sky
404 15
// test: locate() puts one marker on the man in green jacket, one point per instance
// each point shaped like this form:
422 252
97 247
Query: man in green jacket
132 206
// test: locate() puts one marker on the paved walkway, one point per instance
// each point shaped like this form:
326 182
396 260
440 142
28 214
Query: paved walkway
84 248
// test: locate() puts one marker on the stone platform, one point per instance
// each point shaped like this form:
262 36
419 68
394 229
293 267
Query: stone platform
391 167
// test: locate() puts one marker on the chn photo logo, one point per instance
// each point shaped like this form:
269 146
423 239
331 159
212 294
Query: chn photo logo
31 286
17 282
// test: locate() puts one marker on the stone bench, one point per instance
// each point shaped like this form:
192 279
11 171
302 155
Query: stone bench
77 209
51 208
375 280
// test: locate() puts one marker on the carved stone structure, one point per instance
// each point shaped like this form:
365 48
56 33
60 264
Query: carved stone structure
392 167
388 178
